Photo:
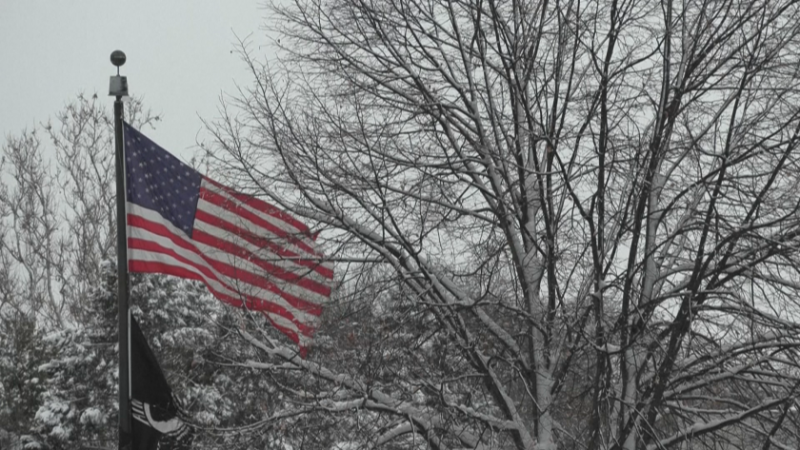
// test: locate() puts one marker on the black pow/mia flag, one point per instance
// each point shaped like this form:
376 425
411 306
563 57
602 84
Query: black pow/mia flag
155 423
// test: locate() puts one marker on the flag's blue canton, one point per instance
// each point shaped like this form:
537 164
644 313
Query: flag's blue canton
159 181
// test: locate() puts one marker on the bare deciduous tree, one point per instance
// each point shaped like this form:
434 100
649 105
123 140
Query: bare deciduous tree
585 213
57 208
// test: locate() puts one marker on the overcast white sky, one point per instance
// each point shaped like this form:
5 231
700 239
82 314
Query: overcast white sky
179 58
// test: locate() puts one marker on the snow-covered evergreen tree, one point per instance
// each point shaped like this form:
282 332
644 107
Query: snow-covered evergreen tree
79 405
22 351
179 319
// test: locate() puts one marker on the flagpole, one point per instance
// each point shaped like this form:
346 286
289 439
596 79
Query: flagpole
118 87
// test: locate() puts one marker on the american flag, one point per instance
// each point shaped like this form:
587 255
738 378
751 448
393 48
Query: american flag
247 252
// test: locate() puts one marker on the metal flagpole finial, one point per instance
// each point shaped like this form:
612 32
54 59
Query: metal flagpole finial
118 85
117 58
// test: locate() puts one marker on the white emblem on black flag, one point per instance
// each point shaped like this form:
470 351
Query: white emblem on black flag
156 424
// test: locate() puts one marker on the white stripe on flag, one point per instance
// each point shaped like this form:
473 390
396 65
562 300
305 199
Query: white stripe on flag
277 222
260 252
227 285
146 256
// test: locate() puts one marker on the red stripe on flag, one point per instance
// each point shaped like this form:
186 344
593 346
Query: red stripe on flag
167 269
262 206
265 243
253 303
273 270
223 268
222 202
